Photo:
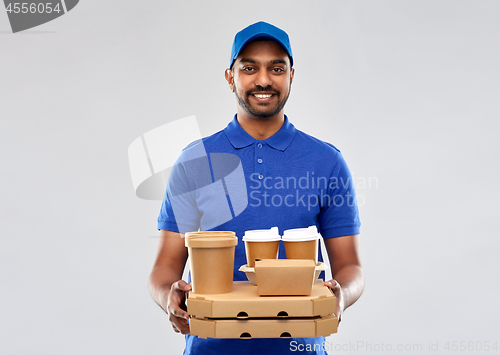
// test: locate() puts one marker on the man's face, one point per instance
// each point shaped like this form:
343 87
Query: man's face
261 79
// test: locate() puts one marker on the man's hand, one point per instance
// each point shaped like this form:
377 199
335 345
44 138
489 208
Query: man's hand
176 307
337 291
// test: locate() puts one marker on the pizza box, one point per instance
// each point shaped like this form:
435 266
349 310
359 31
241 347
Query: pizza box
244 302
264 328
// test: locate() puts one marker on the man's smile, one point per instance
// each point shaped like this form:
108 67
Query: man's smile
263 97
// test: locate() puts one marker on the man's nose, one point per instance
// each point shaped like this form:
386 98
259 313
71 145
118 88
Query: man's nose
263 78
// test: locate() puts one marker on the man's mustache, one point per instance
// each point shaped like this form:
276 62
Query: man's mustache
261 89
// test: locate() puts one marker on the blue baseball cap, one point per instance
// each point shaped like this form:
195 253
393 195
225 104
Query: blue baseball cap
260 30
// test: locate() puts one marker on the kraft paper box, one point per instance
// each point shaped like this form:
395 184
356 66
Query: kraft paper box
278 277
264 328
245 302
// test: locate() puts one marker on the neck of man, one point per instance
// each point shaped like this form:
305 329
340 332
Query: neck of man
260 128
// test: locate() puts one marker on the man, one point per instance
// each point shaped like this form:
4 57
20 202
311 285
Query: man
292 181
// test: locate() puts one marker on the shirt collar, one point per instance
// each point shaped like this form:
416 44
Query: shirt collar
239 138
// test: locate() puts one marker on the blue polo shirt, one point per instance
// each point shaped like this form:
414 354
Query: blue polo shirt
230 181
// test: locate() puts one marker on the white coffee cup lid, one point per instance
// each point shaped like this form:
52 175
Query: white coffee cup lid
301 234
262 235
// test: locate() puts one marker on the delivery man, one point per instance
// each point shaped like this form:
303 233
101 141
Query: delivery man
292 180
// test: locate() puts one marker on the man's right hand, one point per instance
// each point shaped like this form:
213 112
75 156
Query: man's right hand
176 306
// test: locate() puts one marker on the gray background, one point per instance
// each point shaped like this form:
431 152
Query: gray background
408 90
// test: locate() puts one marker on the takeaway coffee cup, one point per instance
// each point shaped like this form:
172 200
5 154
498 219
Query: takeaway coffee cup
301 243
211 257
261 244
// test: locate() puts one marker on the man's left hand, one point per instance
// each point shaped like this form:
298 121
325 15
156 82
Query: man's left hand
337 291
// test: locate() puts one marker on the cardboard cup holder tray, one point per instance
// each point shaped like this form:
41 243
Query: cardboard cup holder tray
250 271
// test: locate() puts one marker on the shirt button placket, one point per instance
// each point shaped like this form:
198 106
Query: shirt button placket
259 167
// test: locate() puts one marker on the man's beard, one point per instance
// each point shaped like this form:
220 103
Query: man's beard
259 114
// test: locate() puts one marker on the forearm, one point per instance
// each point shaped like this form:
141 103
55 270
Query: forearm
346 269
168 267
160 282
352 282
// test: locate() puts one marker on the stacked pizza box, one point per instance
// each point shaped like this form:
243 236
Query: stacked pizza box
284 298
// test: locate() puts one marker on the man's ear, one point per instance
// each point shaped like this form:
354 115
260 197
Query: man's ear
292 73
230 79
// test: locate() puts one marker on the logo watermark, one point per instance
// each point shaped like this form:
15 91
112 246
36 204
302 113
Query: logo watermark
28 14
210 184
308 191
473 346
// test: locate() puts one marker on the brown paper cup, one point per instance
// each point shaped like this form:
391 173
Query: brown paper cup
261 250
302 250
212 261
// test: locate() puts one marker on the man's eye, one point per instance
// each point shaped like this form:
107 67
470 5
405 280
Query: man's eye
278 70
248 69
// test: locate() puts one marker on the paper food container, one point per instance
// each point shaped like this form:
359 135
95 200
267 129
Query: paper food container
211 257
280 277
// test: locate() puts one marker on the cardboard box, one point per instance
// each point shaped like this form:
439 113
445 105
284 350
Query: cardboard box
263 328
278 277
245 302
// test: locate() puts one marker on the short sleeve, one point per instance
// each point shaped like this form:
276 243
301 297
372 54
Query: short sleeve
339 214
178 212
